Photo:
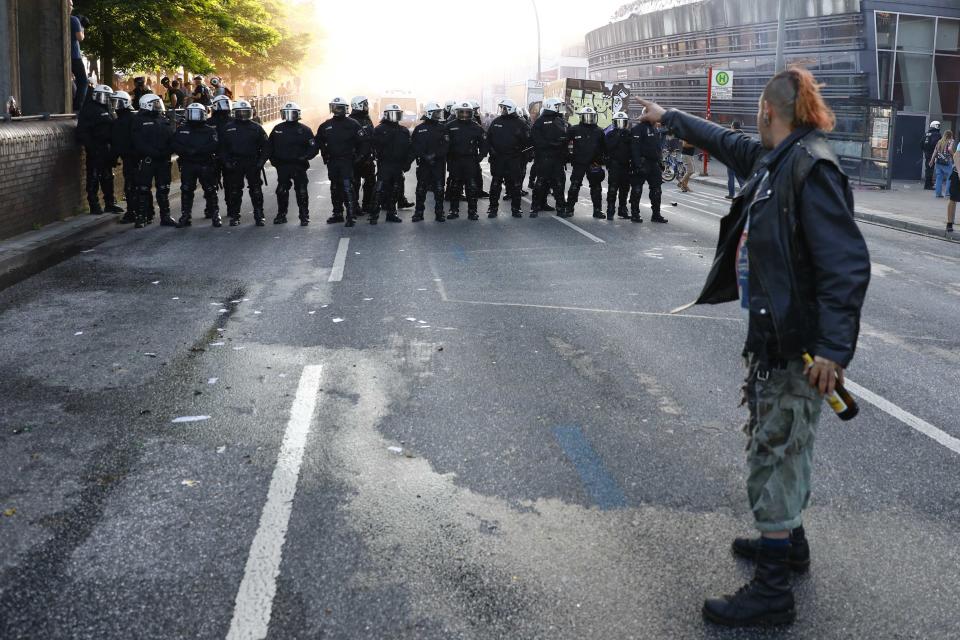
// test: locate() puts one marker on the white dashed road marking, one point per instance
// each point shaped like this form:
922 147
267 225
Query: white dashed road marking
578 229
336 274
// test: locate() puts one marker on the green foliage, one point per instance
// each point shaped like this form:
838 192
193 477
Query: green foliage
245 37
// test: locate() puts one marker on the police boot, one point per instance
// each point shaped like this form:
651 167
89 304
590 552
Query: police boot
658 218
765 600
281 217
798 558
336 218
112 208
635 217
516 212
216 221
166 220
184 221
95 209
453 215
598 212
303 206
622 212
493 209
393 217
609 211
439 217
403 203
417 216
547 208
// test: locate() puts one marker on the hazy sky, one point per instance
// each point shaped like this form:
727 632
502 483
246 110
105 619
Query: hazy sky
441 49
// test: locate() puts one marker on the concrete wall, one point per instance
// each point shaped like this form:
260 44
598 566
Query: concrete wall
41 172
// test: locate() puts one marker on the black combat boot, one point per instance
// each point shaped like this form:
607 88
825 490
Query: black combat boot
184 221
516 213
417 216
597 212
112 208
336 218
281 218
453 215
95 209
658 218
216 221
472 215
798 559
622 213
636 217
492 210
393 217
765 600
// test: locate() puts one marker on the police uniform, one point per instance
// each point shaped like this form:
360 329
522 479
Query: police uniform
645 167
290 148
121 146
429 146
508 138
196 144
468 147
391 144
94 132
617 146
365 168
586 144
549 136
243 149
340 139
152 135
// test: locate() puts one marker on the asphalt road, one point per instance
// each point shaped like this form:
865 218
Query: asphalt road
494 429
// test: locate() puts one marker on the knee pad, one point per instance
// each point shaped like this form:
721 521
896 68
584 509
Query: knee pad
163 190
655 192
282 193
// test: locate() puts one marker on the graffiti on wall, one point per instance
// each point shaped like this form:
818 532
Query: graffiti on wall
606 97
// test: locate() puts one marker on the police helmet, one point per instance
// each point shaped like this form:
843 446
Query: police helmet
475 105
215 81
196 112
935 125
464 110
102 93
588 115
290 112
221 103
120 99
448 107
552 104
393 113
621 120
152 102
432 111
507 107
360 103
338 106
242 110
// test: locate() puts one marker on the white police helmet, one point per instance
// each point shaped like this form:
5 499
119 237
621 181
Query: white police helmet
196 112
338 106
432 111
552 104
393 113
152 102
621 120
475 105
290 112
242 110
215 81
507 107
102 93
464 110
221 103
360 103
121 100
588 115
935 124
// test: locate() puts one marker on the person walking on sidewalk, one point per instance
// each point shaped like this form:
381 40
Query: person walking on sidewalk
954 190
791 252
731 174
930 140
942 163
687 151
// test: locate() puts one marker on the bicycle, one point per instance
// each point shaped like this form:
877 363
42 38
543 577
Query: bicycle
673 166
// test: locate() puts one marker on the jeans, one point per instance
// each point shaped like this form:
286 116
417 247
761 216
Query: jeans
942 173
730 176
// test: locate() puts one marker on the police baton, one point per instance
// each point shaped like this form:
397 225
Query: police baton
263 172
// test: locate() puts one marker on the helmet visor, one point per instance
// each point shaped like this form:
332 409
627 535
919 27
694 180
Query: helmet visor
464 114
338 109
196 115
621 123
436 114
243 114
589 118
394 116
290 115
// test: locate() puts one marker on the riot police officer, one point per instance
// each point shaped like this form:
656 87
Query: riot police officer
221 109
152 134
94 132
429 146
508 138
340 139
365 168
448 114
617 144
586 144
121 147
645 167
468 147
196 143
290 148
243 149
391 143
549 135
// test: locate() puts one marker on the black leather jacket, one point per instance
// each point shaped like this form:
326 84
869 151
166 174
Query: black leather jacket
809 264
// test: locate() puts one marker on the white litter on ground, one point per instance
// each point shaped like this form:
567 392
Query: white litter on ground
175 298
338 319
78 333
367 299
221 449
217 344
310 313
256 313
190 419
223 311
212 380
412 319
155 282
395 449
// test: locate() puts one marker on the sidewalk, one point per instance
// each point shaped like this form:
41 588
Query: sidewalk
907 206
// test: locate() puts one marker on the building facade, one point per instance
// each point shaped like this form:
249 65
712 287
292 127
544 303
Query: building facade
889 67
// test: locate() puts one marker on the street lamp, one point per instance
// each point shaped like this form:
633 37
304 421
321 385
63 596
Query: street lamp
536 15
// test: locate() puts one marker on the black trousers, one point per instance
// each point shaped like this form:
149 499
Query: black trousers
190 174
130 165
365 174
506 171
594 179
296 175
99 165
152 172
80 81
233 179
342 193
430 177
550 177
389 187
651 173
463 175
618 185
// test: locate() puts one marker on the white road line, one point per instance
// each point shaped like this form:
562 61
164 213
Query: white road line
906 418
336 274
254 604
653 314
579 230
684 204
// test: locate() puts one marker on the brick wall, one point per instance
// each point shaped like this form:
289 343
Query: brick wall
40 174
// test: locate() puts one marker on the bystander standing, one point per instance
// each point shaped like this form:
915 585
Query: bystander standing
942 163
954 190
76 60
687 151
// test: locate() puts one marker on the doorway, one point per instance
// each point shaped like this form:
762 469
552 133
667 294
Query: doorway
907 146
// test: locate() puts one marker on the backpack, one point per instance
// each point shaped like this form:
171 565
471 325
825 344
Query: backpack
943 155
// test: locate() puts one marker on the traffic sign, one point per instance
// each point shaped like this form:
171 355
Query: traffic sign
721 86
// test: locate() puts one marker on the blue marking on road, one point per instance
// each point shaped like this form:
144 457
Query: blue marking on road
459 253
599 485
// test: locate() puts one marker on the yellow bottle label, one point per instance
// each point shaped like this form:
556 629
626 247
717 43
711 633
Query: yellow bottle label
836 402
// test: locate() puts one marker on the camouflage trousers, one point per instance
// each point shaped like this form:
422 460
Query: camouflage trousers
784 411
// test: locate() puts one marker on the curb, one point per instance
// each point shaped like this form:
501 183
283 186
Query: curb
871 218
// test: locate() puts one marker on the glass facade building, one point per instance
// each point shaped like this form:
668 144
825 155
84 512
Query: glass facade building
865 52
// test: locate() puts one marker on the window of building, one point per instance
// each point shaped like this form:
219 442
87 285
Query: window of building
948 36
911 81
946 85
915 33
886 30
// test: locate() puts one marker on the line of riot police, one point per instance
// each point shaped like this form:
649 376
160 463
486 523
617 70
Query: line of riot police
365 164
